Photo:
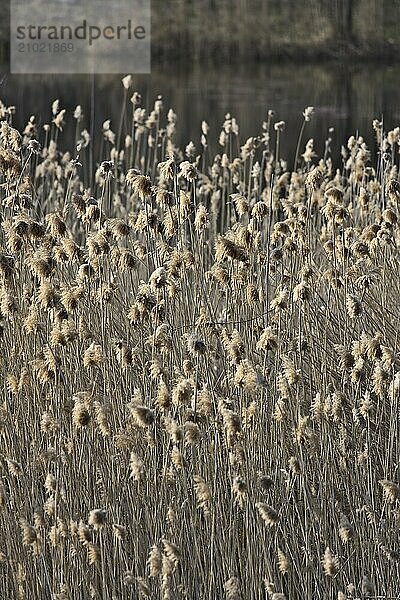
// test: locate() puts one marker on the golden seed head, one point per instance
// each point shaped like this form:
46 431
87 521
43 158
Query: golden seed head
97 518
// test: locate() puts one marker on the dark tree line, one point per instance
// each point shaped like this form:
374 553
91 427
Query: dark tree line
229 29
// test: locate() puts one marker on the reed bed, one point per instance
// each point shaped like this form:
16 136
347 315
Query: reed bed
200 369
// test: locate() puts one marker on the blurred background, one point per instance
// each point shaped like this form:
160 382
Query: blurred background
210 57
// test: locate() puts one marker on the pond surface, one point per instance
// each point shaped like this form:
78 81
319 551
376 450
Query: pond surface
347 97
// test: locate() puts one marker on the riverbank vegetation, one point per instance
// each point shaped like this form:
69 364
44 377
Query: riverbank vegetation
200 372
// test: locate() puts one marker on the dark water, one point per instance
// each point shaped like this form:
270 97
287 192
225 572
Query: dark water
347 97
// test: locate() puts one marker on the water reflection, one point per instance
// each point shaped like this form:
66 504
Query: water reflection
347 98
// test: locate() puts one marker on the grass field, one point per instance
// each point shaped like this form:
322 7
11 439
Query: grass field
199 367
